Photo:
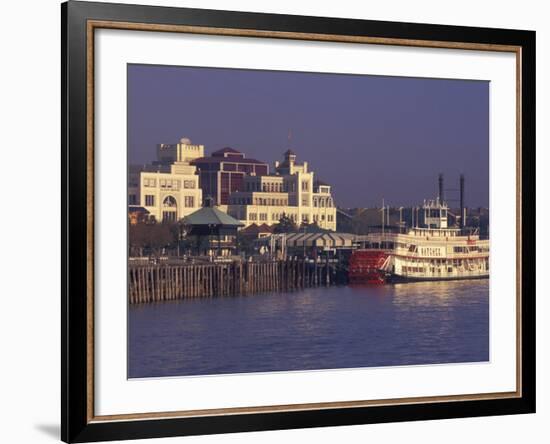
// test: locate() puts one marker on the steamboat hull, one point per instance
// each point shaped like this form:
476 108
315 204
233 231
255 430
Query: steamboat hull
396 279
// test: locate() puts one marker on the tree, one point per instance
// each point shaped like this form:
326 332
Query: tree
285 225
151 238
245 244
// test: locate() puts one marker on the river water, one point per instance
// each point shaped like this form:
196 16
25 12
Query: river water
320 328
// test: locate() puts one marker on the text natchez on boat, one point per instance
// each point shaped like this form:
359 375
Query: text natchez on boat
429 251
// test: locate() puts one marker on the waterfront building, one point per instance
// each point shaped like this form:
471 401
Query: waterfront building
169 187
224 172
311 245
291 191
212 225
183 178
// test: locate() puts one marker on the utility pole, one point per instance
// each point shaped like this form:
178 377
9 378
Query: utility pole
383 206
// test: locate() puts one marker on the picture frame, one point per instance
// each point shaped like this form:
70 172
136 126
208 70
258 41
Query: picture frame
80 20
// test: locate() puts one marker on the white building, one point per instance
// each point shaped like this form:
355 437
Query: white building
291 191
169 188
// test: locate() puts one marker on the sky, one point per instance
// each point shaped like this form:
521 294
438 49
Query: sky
370 137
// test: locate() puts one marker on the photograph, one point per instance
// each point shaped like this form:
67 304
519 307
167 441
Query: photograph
275 220
284 221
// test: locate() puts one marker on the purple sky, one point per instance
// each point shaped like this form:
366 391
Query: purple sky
370 137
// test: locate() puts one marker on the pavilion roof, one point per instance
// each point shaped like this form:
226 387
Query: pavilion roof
211 216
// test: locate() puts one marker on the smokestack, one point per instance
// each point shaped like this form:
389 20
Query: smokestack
462 209
441 197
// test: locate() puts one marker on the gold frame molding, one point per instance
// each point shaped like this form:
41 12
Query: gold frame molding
92 25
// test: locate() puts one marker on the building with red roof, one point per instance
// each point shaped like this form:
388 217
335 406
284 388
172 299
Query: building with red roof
223 173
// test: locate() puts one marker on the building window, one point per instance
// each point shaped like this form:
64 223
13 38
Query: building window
188 184
189 201
132 199
252 216
169 202
263 216
304 201
149 182
149 200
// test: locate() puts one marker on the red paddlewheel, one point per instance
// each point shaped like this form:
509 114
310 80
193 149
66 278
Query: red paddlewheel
366 266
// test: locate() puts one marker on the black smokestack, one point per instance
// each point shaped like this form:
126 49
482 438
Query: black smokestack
441 197
462 209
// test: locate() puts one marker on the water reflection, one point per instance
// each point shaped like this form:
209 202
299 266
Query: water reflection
337 327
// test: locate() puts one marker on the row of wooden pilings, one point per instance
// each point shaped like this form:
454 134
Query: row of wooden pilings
155 283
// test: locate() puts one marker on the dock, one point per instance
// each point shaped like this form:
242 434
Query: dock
166 282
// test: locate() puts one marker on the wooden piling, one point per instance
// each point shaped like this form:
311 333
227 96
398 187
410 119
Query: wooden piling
155 283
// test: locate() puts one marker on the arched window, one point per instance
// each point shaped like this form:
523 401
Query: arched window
169 202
